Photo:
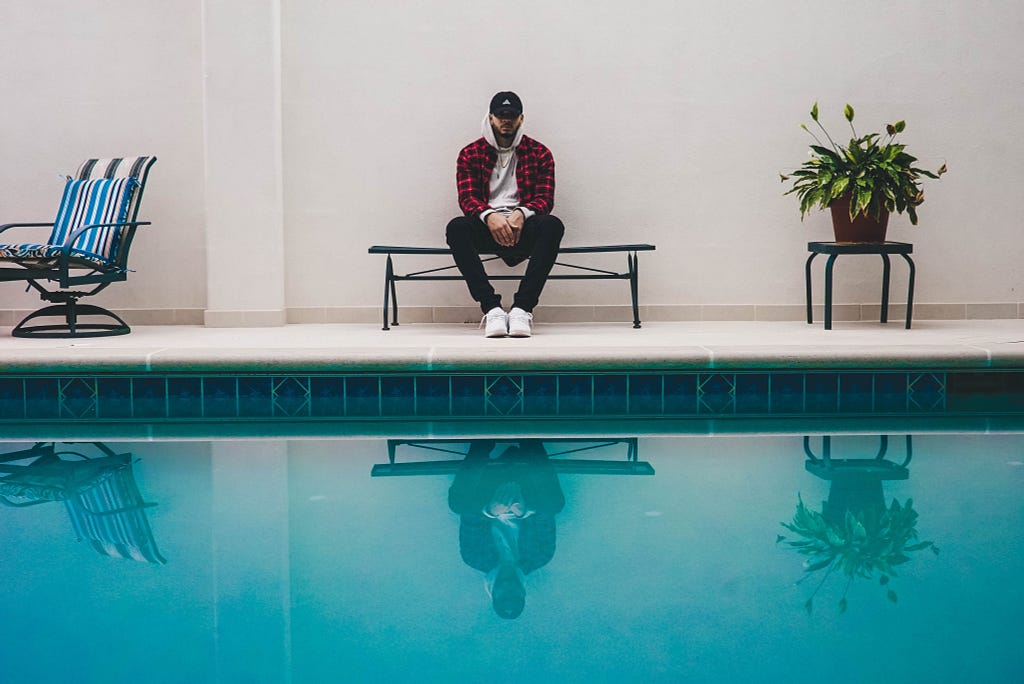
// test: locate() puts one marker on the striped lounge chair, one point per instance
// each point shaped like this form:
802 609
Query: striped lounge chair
88 247
100 495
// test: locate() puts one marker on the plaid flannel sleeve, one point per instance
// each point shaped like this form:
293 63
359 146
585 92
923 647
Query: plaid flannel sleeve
469 180
539 179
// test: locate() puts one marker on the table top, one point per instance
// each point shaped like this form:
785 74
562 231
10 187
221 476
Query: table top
860 247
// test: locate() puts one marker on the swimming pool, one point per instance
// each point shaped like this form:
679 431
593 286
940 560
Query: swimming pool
376 553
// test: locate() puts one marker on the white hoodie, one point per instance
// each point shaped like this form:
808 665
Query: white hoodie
504 191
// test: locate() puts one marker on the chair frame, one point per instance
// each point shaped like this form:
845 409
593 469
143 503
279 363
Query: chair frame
64 300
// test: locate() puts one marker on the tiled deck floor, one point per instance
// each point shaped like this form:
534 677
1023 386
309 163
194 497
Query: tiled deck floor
555 346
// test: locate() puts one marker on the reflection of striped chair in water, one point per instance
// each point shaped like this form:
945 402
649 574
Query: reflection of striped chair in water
100 494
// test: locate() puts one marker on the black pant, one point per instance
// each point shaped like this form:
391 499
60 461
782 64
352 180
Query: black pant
469 237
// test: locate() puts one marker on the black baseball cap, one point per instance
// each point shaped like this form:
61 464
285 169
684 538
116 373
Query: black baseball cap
506 103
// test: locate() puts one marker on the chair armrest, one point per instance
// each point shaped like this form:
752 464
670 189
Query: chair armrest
65 253
81 229
25 225
7 502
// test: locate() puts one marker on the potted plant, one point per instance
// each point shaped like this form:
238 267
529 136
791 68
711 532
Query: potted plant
861 182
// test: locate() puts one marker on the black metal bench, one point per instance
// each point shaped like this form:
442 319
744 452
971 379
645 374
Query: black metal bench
554 447
577 272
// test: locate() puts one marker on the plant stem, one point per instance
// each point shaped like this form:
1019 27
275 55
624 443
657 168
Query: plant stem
822 582
835 147
813 136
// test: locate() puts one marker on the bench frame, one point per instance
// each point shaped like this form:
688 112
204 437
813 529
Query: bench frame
579 272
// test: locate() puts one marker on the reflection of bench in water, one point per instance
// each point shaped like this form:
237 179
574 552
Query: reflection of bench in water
99 492
561 452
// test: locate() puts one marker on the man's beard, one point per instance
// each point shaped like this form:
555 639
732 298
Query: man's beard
508 136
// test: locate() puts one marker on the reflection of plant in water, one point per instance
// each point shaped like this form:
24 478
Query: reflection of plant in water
860 544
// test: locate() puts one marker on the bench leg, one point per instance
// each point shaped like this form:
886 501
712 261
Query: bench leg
885 288
910 289
634 286
807 285
388 285
394 301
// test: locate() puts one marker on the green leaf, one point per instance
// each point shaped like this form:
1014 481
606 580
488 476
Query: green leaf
863 196
883 580
848 113
839 186
779 538
825 152
842 605
819 565
899 559
893 597
919 547
814 111
900 126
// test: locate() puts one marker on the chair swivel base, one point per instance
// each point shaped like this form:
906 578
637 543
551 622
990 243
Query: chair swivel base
71 327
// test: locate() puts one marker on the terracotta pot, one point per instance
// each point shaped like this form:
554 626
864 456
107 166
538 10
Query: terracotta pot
861 229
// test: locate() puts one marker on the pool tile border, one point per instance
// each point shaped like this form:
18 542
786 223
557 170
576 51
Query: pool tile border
597 395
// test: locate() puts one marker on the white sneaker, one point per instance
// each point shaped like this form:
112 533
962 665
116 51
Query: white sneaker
519 322
496 322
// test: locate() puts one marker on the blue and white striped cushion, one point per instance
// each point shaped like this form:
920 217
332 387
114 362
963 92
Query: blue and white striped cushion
48 254
111 515
104 200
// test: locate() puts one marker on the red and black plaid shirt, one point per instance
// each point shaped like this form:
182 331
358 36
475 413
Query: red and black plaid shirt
535 176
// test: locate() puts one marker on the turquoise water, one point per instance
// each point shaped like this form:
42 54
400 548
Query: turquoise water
288 561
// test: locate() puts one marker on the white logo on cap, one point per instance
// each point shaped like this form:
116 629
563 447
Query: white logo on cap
506 102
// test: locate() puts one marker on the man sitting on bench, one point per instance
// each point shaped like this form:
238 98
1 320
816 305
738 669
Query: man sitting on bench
506 186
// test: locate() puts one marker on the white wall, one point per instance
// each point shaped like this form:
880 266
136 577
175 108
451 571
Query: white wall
108 78
668 119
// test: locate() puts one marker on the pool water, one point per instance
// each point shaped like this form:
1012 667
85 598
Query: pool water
484 557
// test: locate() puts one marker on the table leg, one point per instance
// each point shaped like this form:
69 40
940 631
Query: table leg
828 290
910 289
807 285
886 267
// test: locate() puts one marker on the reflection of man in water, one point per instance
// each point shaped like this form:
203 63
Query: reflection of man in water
507 507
